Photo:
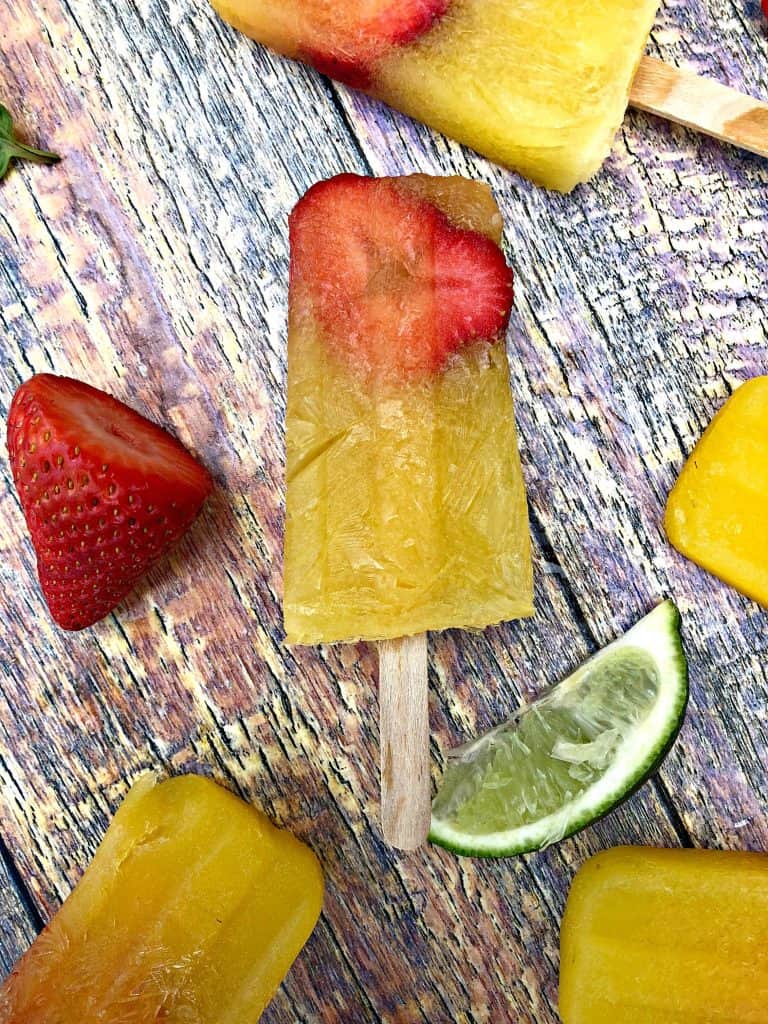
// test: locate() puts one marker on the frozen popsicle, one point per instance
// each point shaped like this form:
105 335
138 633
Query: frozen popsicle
191 912
538 86
718 509
406 507
666 937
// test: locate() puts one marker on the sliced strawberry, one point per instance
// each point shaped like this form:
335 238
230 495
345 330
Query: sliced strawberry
344 40
105 493
394 285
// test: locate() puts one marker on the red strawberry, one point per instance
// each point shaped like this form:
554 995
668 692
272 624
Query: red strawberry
346 39
105 493
395 286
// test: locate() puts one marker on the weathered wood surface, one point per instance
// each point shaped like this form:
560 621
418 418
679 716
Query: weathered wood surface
152 262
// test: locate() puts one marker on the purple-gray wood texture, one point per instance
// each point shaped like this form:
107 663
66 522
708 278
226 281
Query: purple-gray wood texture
152 262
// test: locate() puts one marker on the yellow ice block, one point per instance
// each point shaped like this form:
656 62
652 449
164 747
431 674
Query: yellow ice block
540 87
406 507
718 510
666 937
191 912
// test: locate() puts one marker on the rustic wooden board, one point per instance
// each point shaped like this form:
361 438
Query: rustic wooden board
153 262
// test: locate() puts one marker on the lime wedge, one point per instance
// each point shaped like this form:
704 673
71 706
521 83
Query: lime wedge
573 755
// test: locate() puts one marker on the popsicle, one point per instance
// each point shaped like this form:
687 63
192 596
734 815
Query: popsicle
666 937
406 507
537 86
718 509
191 912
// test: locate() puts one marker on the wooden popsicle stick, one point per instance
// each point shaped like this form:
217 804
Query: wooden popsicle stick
404 714
702 104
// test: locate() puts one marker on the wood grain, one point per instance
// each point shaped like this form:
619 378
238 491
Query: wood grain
153 263
702 104
404 741
19 920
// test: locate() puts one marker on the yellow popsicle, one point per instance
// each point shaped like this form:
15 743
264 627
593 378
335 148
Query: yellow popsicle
406 506
540 87
191 912
666 937
718 510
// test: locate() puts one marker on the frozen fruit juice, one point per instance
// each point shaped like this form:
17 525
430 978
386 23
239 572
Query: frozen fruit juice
192 910
666 937
537 86
717 511
406 506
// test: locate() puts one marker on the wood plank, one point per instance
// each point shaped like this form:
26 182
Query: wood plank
18 920
153 263
171 681
640 305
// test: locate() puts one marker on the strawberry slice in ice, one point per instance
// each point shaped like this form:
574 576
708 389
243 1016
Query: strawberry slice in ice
344 40
395 286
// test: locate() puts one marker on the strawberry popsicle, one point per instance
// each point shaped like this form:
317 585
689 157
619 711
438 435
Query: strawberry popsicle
406 506
539 87
192 910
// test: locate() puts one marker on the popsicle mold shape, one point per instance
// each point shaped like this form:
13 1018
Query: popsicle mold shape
535 86
191 912
718 510
406 505
672 936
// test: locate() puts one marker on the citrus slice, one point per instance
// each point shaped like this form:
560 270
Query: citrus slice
573 755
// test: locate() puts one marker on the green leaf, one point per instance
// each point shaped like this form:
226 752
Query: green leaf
11 149
6 124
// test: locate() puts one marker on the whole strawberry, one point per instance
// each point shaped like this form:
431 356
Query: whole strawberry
105 493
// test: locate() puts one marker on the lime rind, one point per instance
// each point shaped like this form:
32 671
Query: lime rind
637 757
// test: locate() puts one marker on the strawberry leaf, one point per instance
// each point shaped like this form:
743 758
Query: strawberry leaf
11 149
6 124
